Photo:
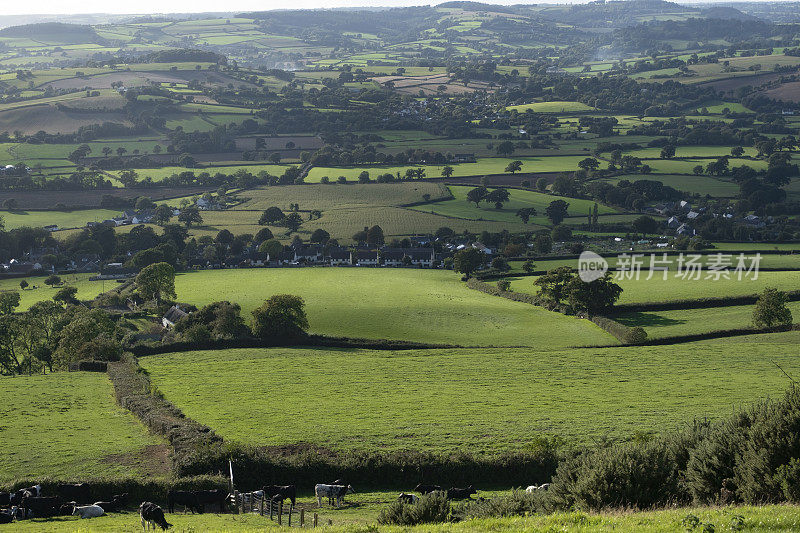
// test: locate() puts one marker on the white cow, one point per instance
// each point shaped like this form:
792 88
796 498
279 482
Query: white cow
337 492
88 511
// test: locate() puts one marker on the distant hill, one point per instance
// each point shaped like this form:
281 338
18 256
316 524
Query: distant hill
728 13
54 32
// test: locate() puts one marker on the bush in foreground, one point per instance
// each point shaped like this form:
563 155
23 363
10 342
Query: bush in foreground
432 508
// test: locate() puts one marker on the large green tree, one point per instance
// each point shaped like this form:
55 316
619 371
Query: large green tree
156 281
468 261
282 316
771 309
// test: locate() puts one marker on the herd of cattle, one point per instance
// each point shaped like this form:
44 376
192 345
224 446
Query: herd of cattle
29 502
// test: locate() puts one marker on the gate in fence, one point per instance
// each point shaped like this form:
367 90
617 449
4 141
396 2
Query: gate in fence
250 502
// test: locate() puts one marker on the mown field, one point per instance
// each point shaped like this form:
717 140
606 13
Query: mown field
324 197
362 518
66 425
657 289
419 305
660 324
775 261
87 290
62 219
459 207
361 399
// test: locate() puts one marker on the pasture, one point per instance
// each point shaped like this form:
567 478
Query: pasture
459 207
372 399
325 197
69 427
420 305
673 288
62 219
660 324
362 516
87 290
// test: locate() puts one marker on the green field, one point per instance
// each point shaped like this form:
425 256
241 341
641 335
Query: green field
405 304
657 289
66 425
325 197
362 514
62 219
459 207
659 324
483 166
87 290
551 107
372 399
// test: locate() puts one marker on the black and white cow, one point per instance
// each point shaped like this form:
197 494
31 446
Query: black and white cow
408 498
337 492
152 515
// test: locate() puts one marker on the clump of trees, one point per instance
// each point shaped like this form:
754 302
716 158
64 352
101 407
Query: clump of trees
563 286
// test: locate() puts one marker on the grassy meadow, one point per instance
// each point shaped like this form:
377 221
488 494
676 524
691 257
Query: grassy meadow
87 290
459 207
66 425
657 289
419 305
372 399
361 517
659 324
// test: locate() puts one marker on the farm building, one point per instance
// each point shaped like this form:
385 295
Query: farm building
174 314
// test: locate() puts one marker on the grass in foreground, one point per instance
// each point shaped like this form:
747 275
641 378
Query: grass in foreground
769 518
370 400
66 425
402 304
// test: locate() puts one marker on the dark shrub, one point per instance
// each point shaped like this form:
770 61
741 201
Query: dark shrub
433 508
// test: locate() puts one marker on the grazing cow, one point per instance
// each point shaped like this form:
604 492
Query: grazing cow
41 506
533 488
427 489
117 502
35 490
454 493
211 497
88 511
5 499
182 497
336 492
280 492
6 517
152 515
408 498
78 492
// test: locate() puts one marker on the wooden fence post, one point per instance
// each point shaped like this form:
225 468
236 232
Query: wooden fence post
302 517
261 507
271 503
280 512
315 519
290 516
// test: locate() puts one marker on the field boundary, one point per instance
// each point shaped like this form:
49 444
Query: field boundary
198 452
